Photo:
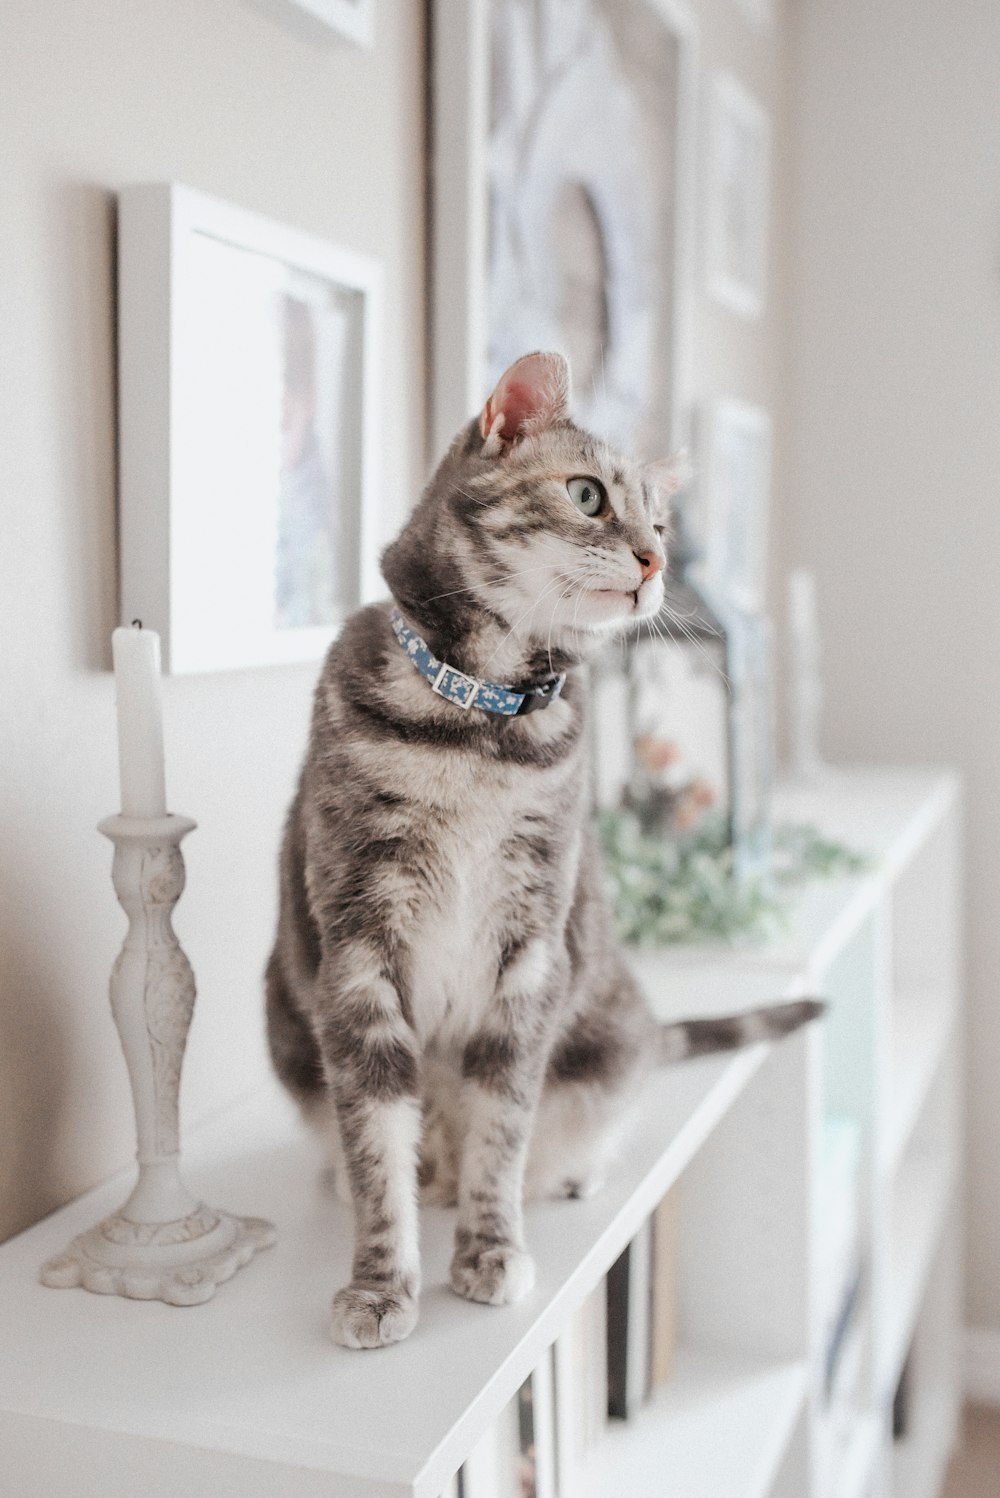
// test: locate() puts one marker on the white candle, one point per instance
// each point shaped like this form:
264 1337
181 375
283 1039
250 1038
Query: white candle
136 655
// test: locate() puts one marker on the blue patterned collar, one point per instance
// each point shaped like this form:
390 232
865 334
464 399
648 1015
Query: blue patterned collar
465 691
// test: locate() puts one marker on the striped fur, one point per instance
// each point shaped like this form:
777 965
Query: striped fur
445 998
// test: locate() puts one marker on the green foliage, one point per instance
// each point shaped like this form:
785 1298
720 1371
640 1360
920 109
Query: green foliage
668 891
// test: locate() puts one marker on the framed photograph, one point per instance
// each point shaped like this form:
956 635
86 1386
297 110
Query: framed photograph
248 431
736 201
348 20
734 442
563 174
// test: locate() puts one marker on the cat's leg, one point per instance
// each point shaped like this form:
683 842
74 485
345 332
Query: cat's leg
370 1056
502 1068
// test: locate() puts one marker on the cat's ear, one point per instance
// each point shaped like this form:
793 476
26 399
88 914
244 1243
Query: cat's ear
530 396
666 477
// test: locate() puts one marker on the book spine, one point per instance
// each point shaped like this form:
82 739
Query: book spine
628 1338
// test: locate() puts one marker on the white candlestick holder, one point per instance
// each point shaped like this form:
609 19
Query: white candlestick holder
163 1244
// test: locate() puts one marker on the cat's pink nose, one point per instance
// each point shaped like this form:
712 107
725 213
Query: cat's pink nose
650 563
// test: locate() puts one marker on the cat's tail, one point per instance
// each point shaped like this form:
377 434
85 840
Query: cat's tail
684 1038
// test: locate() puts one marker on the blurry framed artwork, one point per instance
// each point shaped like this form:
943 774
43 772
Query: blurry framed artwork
562 206
736 197
247 431
734 446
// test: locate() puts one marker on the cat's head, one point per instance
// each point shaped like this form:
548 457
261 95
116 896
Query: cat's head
532 525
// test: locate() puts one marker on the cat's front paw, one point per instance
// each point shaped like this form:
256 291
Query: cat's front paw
497 1276
362 1316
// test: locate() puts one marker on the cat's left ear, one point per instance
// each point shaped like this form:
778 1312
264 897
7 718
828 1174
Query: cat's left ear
666 477
531 395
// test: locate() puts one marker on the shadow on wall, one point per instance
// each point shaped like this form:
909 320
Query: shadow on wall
34 1071
82 296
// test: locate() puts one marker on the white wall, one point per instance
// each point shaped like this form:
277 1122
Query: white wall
893 491
220 95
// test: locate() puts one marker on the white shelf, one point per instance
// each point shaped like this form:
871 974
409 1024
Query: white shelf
921 1198
887 812
253 1374
246 1397
721 1426
860 1463
883 814
922 1025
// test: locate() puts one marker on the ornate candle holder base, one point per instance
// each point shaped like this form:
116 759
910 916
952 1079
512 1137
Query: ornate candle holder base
163 1244
179 1262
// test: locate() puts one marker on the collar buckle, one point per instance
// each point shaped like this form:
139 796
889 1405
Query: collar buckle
448 683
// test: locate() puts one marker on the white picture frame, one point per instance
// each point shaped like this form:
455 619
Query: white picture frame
248 431
461 212
734 442
343 20
737 175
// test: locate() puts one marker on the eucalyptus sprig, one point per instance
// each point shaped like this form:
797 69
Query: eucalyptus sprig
669 891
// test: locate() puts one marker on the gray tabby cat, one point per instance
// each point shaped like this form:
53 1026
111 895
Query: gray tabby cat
445 998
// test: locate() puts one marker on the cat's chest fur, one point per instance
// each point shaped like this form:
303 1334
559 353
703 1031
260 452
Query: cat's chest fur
488 860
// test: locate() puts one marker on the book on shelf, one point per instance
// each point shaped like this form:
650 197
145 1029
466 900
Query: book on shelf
840 1330
537 1432
493 1467
629 1306
837 1423
581 1388
516 1457
665 1269
902 1400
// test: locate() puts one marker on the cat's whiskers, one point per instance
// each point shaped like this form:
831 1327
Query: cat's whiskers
555 582
552 617
689 634
576 610
473 498
505 577
656 625
558 580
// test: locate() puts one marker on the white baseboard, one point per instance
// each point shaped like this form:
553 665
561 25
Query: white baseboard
982 1364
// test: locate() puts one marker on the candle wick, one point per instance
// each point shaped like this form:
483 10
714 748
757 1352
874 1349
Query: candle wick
136 623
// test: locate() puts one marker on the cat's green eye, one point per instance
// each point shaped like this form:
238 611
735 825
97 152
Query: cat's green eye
587 494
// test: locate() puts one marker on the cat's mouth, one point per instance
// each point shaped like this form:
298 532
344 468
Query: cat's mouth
622 593
635 600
